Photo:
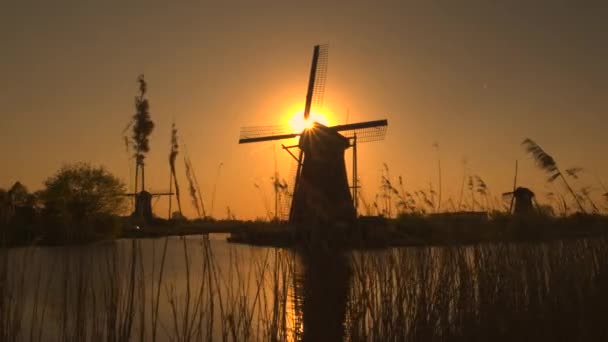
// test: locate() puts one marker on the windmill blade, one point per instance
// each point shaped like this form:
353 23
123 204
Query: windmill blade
365 131
265 133
260 131
316 82
318 93
268 138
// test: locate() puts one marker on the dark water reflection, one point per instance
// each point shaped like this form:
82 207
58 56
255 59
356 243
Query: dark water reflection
323 291
213 290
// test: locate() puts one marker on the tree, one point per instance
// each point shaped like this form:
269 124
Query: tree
79 192
4 207
19 195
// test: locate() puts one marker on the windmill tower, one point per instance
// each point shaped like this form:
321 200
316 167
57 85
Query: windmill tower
524 201
321 193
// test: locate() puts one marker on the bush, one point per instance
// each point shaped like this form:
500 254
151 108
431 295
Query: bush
79 203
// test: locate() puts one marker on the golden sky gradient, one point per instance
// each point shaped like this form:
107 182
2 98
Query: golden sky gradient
475 77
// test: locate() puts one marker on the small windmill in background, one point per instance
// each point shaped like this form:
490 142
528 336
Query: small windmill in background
321 191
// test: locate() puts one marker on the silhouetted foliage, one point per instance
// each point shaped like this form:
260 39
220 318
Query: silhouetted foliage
81 190
585 195
387 191
142 128
5 207
18 215
281 190
143 124
546 163
482 189
174 146
192 187
573 172
18 195
542 159
436 146
172 157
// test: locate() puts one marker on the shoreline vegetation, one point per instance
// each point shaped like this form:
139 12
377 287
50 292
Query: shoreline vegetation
368 232
84 204
502 292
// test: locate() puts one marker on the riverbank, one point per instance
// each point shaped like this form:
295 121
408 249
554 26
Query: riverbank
433 230
367 232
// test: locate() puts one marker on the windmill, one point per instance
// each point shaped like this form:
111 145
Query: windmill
142 203
321 191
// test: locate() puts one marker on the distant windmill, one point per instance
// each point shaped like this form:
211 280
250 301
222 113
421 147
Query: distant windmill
321 191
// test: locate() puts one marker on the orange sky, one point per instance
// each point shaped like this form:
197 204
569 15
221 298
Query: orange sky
477 78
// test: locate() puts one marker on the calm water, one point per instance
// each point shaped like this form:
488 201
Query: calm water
210 289
67 286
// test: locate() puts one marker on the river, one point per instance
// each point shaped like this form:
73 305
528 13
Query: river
203 288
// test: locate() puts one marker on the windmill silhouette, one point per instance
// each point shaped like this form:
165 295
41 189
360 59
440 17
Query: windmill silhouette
321 191
142 204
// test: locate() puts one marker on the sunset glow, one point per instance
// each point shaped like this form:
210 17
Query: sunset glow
318 171
462 84
298 123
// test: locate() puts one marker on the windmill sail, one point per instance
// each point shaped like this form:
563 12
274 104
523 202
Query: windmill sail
318 190
316 83
265 133
366 131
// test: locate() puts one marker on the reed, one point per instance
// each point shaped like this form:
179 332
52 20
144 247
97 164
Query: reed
500 291
546 163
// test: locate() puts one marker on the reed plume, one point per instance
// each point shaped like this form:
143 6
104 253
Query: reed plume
172 157
192 187
546 163
573 172
436 146
142 128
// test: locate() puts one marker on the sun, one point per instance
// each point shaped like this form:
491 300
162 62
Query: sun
298 124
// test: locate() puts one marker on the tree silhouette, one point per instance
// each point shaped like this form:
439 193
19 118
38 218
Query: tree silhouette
142 128
4 207
80 191
18 195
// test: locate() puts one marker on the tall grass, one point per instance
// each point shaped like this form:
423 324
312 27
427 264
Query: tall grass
197 290
501 292
125 294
